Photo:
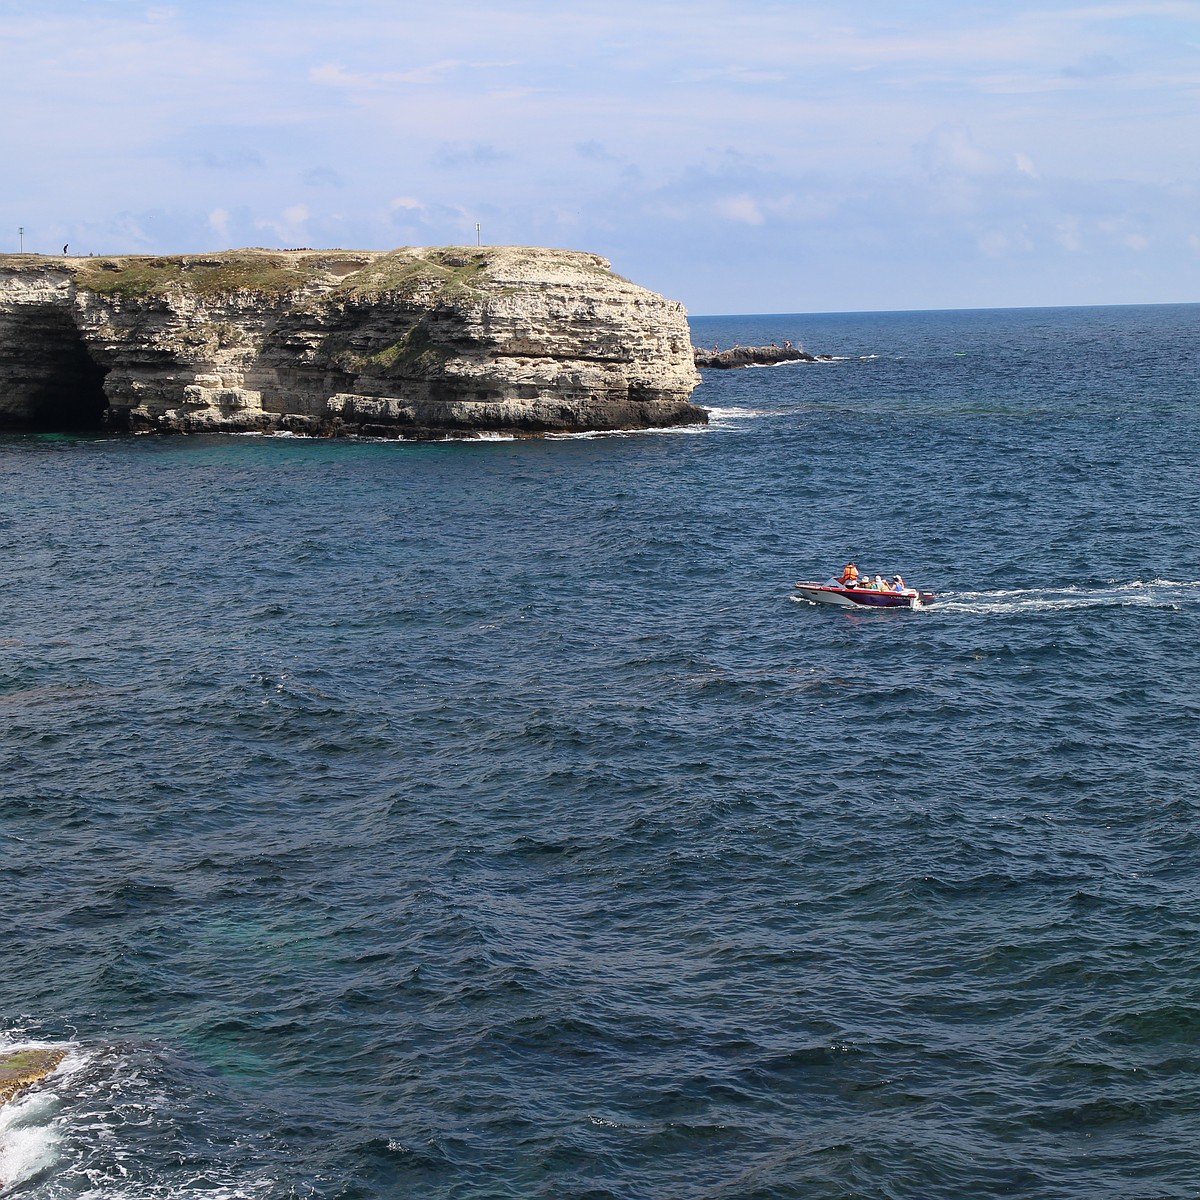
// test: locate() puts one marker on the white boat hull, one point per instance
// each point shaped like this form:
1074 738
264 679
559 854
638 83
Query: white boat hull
841 597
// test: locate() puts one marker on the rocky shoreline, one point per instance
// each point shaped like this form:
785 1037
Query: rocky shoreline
753 356
20 1069
407 343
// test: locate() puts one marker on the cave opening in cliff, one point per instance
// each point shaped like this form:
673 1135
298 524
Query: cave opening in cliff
59 381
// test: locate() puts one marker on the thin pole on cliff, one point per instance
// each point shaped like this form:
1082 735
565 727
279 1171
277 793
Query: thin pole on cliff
478 235
21 235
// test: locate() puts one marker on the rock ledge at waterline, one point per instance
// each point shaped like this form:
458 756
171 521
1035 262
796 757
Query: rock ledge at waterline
402 343
20 1069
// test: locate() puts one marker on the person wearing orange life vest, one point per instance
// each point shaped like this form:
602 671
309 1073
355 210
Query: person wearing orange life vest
849 576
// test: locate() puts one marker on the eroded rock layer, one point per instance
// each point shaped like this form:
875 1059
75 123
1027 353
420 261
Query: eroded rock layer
413 342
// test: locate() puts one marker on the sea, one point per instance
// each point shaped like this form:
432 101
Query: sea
489 818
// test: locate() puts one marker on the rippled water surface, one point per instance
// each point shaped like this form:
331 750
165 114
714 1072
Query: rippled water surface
488 820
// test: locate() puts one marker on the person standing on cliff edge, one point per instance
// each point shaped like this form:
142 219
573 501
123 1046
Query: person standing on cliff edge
65 250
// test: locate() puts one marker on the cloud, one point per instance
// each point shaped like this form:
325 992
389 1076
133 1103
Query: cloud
737 75
996 243
468 154
323 177
1067 235
230 160
218 221
289 226
1093 66
743 209
947 138
595 151
336 75
951 150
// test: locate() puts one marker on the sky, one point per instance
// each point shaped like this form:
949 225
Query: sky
749 156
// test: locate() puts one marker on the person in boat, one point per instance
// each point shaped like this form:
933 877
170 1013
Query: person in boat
849 576
897 584
878 584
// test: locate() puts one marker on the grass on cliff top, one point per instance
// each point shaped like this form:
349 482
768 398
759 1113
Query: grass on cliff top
203 275
444 274
452 273
429 276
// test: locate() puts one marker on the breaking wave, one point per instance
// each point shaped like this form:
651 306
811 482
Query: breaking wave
29 1125
94 1128
719 418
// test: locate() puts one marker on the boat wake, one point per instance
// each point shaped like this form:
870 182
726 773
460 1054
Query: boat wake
1156 593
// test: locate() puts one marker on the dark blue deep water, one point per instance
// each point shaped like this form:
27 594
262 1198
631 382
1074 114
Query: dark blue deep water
487 820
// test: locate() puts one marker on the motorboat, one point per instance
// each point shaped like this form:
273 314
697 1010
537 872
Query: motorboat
841 596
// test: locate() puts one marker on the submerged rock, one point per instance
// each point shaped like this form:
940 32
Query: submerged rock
21 1068
412 342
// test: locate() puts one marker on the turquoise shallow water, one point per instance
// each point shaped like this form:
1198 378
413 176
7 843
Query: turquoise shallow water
486 819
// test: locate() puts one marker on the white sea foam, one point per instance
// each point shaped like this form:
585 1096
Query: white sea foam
1168 594
594 434
605 1123
74 1129
28 1139
1155 593
823 361
29 1128
199 1186
727 416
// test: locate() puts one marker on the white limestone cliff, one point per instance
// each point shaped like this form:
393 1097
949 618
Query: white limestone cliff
412 342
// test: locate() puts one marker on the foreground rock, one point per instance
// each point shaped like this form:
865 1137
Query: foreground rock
21 1068
753 356
414 343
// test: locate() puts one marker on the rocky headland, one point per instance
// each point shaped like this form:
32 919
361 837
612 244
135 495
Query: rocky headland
402 343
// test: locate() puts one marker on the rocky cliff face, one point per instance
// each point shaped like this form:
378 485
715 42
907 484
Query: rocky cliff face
415 343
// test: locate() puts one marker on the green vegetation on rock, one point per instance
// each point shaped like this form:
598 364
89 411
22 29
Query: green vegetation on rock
20 1068
24 1060
416 352
262 273
444 275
